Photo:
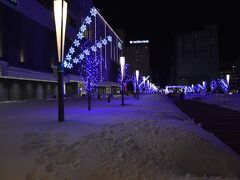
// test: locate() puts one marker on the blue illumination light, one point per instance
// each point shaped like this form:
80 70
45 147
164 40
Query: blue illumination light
76 52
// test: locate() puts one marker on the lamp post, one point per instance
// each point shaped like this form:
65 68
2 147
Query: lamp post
122 66
228 78
60 16
137 76
144 79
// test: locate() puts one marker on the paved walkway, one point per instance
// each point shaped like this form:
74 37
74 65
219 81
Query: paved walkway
223 123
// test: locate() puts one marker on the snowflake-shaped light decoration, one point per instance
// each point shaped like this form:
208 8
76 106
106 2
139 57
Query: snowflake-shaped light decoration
109 38
71 50
69 66
104 41
88 20
81 56
83 28
86 51
68 57
99 45
93 12
80 35
76 42
93 48
75 60
65 63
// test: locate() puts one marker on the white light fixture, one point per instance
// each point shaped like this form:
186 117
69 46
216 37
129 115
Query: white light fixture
144 79
137 75
228 78
203 83
60 15
122 65
139 42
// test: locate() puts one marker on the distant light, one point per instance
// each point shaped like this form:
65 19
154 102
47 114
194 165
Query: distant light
22 57
137 75
204 83
64 88
144 79
228 78
139 42
122 66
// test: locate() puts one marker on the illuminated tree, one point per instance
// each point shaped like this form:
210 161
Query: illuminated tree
87 56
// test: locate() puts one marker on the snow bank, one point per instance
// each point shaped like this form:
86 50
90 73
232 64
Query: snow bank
132 150
230 101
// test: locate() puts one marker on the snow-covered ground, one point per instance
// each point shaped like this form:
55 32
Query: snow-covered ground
145 139
230 101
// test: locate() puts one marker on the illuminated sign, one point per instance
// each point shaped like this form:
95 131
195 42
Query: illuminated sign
139 42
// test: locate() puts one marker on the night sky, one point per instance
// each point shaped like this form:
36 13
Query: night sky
159 22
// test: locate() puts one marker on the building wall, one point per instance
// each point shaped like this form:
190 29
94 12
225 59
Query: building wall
112 51
196 55
28 42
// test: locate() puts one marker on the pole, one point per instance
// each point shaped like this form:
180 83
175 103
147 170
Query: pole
89 96
122 94
60 93
60 78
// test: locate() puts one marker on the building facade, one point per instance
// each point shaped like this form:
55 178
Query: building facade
137 56
28 54
196 56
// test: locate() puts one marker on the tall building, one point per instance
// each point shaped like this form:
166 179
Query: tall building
28 54
137 56
196 56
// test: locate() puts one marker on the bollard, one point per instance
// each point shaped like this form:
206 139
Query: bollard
108 99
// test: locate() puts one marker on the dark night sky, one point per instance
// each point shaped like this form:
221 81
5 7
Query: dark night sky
159 21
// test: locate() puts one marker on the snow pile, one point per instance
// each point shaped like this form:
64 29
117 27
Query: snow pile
140 149
224 100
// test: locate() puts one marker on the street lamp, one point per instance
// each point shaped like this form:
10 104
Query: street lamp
60 16
137 76
122 66
228 78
